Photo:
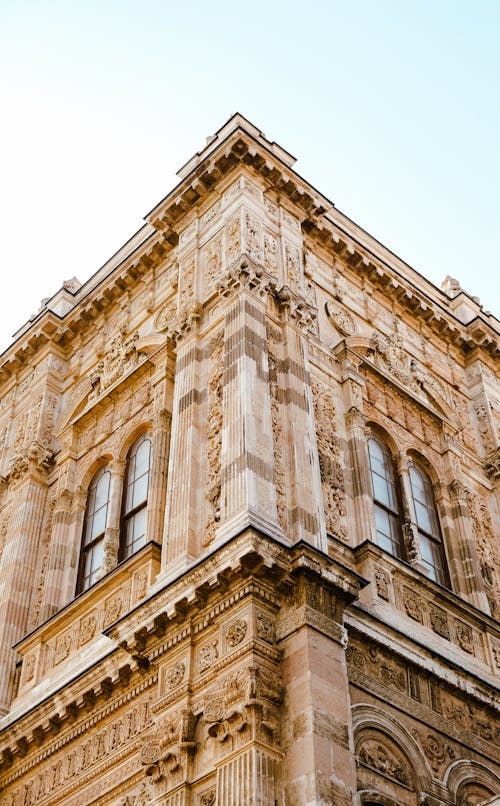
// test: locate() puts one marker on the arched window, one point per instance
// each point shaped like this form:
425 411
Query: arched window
429 533
96 515
385 497
135 498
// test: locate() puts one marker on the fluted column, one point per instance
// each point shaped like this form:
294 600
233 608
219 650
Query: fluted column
185 502
307 521
251 778
362 487
248 494
17 573
159 474
58 558
112 532
462 551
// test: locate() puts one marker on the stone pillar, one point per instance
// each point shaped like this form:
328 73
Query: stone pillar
362 486
17 569
249 779
183 524
248 493
160 445
319 765
58 558
112 531
307 521
462 551
352 387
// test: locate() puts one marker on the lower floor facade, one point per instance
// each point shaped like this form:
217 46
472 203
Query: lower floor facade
265 674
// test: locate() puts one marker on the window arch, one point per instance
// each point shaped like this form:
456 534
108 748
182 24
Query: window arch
96 516
429 532
135 497
386 501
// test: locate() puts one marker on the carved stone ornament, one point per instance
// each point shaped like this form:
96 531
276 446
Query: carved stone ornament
439 623
166 315
88 627
435 749
340 319
208 655
120 359
175 675
207 798
382 583
236 632
412 605
464 638
265 628
379 758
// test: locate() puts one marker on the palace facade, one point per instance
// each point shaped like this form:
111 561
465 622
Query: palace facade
249 515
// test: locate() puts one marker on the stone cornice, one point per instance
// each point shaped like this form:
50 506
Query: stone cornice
244 145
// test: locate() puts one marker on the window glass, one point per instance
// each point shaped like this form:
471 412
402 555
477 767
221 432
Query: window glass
385 497
134 512
96 515
429 534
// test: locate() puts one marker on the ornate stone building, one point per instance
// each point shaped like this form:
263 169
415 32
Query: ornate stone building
248 505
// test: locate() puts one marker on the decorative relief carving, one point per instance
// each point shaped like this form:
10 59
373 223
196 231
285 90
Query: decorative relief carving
236 632
88 627
437 751
265 628
207 798
121 358
213 260
62 648
208 655
186 280
279 476
271 255
332 474
253 237
166 315
272 210
113 609
464 637
214 437
486 541
233 239
47 534
293 267
439 622
380 758
372 660
175 675
340 319
209 216
382 582
412 605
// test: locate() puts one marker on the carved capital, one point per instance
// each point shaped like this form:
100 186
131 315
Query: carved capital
492 464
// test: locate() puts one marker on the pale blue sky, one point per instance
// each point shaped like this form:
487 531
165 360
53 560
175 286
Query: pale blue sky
391 108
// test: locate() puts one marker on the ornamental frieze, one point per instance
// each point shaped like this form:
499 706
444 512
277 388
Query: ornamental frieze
120 359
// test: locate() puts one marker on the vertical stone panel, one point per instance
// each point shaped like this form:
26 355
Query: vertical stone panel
183 525
160 445
252 778
19 562
248 495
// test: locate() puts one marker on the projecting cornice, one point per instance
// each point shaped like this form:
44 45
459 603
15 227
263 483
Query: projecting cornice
240 144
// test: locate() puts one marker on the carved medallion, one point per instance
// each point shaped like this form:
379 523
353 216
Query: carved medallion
236 632
340 318
175 675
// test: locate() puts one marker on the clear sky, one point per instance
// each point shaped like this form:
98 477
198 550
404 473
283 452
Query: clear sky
392 108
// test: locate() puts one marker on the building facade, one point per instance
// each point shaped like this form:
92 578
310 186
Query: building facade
249 513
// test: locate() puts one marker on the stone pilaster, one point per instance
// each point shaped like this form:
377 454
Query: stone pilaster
58 557
17 570
112 531
251 778
248 494
318 765
183 525
160 445
307 521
